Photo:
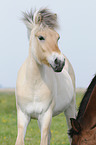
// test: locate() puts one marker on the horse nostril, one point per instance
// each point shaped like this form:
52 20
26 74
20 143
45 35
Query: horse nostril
59 63
56 61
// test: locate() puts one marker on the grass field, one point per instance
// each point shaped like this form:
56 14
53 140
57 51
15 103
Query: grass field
8 124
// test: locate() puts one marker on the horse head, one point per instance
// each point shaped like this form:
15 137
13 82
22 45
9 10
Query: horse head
84 131
44 39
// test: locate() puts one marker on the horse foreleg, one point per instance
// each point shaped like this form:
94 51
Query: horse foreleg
70 112
22 122
44 124
49 135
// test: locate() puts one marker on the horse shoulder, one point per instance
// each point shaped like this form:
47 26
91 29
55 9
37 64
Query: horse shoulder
21 77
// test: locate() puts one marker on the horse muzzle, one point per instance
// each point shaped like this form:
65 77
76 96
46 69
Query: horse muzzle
58 65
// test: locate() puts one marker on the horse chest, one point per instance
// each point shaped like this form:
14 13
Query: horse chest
35 100
62 101
64 93
36 96
34 109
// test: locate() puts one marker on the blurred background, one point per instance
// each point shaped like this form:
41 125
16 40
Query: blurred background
77 20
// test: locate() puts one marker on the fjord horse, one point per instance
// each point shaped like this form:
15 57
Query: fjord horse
46 82
83 130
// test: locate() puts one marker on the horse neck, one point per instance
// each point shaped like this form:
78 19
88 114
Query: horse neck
34 69
85 99
89 117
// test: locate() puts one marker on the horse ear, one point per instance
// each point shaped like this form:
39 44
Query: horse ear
38 18
75 125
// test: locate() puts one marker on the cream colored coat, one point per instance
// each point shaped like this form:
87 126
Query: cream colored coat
40 92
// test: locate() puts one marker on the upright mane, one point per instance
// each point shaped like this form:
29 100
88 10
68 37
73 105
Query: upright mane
83 104
85 99
48 18
42 17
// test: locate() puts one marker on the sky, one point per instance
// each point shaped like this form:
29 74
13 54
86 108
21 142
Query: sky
77 21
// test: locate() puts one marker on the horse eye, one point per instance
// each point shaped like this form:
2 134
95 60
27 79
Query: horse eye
58 38
41 38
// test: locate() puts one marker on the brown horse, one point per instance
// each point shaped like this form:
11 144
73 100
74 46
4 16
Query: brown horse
83 130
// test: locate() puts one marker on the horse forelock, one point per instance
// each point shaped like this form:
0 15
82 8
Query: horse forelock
72 132
42 17
48 18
